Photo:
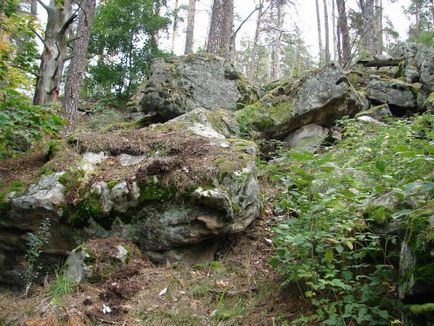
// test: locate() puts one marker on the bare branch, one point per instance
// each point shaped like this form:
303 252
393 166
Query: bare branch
72 39
43 5
69 21
26 70
40 38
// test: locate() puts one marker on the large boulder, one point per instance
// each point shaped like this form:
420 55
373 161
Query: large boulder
400 96
320 97
181 84
165 190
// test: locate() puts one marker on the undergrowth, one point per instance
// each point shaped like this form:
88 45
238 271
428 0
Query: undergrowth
328 244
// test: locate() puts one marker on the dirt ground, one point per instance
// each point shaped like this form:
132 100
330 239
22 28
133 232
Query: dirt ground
238 288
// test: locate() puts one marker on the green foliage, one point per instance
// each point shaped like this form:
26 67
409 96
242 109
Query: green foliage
123 29
35 242
21 123
61 285
328 247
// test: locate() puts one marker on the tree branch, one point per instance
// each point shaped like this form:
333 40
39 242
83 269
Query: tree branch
40 38
26 70
234 34
43 5
69 21
72 39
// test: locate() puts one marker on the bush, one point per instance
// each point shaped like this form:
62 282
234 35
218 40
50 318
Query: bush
328 245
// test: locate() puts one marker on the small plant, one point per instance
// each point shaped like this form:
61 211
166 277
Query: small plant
61 285
35 243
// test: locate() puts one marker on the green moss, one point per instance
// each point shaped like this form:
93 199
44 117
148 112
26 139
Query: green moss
425 274
153 191
419 232
15 186
419 309
112 183
125 125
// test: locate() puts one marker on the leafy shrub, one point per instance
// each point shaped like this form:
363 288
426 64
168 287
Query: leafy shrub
34 243
327 245
22 124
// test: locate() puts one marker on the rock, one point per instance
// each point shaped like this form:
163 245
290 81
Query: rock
202 122
98 258
371 120
181 84
320 97
45 198
166 190
379 112
400 96
307 138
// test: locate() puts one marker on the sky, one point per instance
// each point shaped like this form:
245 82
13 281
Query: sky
302 15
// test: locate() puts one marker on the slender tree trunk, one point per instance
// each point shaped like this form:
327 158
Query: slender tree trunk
318 24
34 8
277 42
190 26
368 26
55 47
175 25
432 11
77 65
335 41
154 37
221 28
252 63
327 33
343 34
379 26
417 14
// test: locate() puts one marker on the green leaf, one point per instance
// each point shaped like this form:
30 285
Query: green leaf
380 165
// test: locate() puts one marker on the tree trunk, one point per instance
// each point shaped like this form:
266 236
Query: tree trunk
318 24
54 53
277 42
34 8
368 26
379 26
77 65
327 35
335 41
252 64
343 34
154 37
190 27
220 32
175 24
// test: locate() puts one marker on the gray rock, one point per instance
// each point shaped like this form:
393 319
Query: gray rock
307 138
127 160
379 112
47 196
181 84
320 97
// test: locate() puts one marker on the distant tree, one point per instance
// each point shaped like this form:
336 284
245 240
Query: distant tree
343 35
174 24
318 25
221 28
327 33
77 65
189 38
123 42
422 30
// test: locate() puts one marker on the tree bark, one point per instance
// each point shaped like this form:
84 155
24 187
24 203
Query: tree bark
318 24
334 26
77 65
252 63
343 35
34 8
327 33
190 27
379 26
221 27
55 48
368 26
175 24
277 42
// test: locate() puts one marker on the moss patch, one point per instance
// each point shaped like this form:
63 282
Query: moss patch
419 309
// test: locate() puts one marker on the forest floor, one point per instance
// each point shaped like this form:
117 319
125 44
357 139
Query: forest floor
238 288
